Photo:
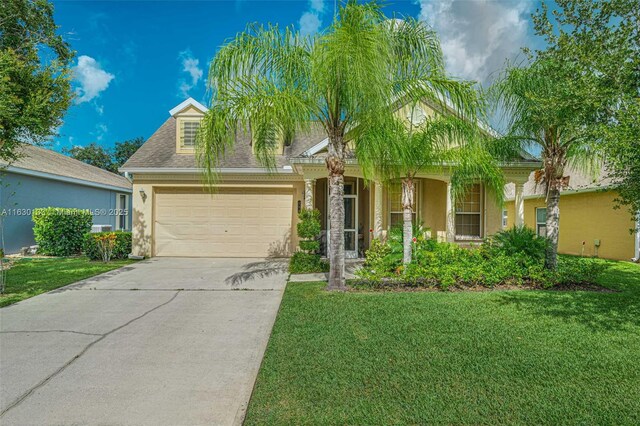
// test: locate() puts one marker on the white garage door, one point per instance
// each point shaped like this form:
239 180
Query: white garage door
229 223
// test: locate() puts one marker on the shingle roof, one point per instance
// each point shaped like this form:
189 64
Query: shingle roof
47 161
160 150
577 181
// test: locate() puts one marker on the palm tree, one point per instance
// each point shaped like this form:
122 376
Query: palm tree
399 149
543 113
276 82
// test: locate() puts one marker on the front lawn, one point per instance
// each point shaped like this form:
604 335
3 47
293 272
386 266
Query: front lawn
501 357
30 277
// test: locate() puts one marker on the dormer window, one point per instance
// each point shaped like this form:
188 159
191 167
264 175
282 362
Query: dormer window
188 131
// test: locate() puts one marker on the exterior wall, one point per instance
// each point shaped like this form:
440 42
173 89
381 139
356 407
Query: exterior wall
432 210
143 212
21 194
492 214
586 217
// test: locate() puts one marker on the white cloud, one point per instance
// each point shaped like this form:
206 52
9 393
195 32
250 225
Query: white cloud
99 109
310 21
101 130
92 78
477 36
191 66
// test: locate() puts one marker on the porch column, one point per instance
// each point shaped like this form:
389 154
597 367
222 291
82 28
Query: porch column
377 216
308 193
451 215
519 204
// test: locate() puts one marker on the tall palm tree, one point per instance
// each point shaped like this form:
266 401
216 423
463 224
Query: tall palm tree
544 114
276 82
399 149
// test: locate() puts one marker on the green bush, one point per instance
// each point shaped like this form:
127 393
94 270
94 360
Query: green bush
308 260
306 263
121 249
60 231
520 240
445 265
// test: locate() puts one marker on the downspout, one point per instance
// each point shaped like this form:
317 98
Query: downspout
637 248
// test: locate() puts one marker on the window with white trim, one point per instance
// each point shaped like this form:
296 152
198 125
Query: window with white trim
188 131
394 195
469 214
122 212
505 219
541 221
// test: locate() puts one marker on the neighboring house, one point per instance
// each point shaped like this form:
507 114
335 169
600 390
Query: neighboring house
253 211
44 178
589 223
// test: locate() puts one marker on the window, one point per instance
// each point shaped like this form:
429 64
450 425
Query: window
505 219
122 212
541 221
395 204
188 130
469 214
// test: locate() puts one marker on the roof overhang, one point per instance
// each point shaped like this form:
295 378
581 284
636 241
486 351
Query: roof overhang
192 170
187 103
68 179
567 192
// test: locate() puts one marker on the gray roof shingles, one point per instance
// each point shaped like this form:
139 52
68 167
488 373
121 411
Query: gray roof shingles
160 150
43 160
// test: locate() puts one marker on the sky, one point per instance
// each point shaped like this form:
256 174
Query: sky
137 60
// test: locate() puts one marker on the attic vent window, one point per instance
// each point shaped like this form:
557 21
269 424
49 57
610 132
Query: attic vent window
188 131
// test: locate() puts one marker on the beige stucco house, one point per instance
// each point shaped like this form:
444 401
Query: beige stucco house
253 211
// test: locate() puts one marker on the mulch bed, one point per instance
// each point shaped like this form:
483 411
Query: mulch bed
399 288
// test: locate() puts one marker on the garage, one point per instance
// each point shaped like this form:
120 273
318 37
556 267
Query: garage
239 222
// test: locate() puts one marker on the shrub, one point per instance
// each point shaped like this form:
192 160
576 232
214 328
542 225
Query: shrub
308 260
60 231
520 240
306 263
443 265
121 245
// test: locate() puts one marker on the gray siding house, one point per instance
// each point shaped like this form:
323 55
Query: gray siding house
44 178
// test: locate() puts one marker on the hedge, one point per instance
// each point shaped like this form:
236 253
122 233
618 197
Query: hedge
120 251
60 231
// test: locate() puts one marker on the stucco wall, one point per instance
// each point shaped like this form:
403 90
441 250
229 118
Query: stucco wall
433 202
587 217
21 194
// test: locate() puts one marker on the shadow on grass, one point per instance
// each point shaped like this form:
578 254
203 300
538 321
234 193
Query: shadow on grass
597 310
266 268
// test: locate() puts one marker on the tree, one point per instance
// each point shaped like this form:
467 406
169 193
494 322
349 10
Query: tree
542 112
399 149
276 82
35 88
94 155
601 40
124 150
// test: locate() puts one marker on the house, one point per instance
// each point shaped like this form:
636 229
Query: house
44 178
589 223
253 211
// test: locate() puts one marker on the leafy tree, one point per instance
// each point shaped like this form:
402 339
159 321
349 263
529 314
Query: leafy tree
124 150
94 155
275 82
399 149
542 111
601 41
35 88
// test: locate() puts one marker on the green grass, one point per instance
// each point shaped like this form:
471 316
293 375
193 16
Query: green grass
502 357
30 277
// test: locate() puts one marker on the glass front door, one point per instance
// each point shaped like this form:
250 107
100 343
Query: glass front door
350 220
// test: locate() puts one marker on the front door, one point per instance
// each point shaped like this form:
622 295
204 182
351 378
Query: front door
350 220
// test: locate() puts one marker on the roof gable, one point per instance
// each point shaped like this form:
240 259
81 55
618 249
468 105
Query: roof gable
189 105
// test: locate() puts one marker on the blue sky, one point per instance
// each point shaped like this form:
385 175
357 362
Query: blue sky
137 60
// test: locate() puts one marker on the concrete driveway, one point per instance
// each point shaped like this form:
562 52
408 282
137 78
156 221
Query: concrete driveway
166 341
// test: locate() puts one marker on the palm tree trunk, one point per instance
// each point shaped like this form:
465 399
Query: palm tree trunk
407 216
335 164
553 228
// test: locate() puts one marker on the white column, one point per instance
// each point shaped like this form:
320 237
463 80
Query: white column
377 216
451 215
308 193
519 204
